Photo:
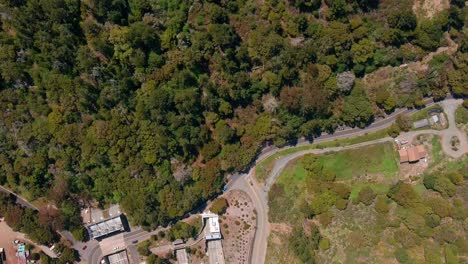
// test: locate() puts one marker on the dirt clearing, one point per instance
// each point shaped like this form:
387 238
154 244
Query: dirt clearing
238 227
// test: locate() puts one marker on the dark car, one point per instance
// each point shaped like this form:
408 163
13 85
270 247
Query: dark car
134 241
85 247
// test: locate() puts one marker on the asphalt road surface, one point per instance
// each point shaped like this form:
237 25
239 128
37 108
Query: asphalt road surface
259 195
246 182
19 200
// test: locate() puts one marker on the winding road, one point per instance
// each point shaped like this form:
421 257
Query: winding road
259 193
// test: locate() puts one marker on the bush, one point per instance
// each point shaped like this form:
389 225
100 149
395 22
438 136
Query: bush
455 177
181 230
403 194
444 186
432 254
440 206
322 202
432 220
326 218
80 234
324 244
402 255
341 190
450 254
143 248
406 238
341 204
366 195
381 205
219 206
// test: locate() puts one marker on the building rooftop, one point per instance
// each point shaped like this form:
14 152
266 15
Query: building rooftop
106 227
212 229
118 258
421 123
412 154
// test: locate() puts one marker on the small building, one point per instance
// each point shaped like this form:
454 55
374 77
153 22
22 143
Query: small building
106 227
212 229
435 119
117 258
412 154
421 123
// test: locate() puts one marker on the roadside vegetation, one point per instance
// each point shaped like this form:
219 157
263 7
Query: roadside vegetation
461 114
264 167
40 227
150 104
374 217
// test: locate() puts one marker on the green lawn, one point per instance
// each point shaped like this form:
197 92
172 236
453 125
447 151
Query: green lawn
379 158
264 167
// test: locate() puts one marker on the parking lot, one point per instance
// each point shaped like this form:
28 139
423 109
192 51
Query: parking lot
7 236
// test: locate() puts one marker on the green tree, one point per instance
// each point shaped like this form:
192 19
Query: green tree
363 51
357 108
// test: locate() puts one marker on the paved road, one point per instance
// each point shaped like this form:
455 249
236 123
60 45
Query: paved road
258 194
97 250
247 183
19 200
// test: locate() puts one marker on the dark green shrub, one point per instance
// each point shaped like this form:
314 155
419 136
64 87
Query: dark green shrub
402 255
381 204
366 195
432 220
219 206
324 244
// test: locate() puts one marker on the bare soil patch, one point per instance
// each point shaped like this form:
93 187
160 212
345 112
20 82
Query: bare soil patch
429 8
238 227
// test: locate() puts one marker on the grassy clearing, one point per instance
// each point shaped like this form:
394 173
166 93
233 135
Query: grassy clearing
264 167
437 154
358 168
364 234
380 158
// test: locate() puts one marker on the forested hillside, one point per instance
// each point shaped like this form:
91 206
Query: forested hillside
149 103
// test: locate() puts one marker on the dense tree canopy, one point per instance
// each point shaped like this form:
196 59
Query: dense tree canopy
109 100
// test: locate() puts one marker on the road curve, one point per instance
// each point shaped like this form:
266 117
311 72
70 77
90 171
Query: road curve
259 195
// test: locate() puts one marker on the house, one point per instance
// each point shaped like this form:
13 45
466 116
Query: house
435 119
212 230
421 123
412 154
106 227
118 258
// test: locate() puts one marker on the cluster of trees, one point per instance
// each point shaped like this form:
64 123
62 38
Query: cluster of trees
39 226
414 218
106 99
181 230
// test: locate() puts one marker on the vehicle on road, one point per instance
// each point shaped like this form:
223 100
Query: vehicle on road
85 247
134 241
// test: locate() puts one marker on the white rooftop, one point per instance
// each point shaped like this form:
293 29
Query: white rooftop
106 227
118 258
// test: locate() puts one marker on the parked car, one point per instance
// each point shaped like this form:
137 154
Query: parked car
85 247
134 241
